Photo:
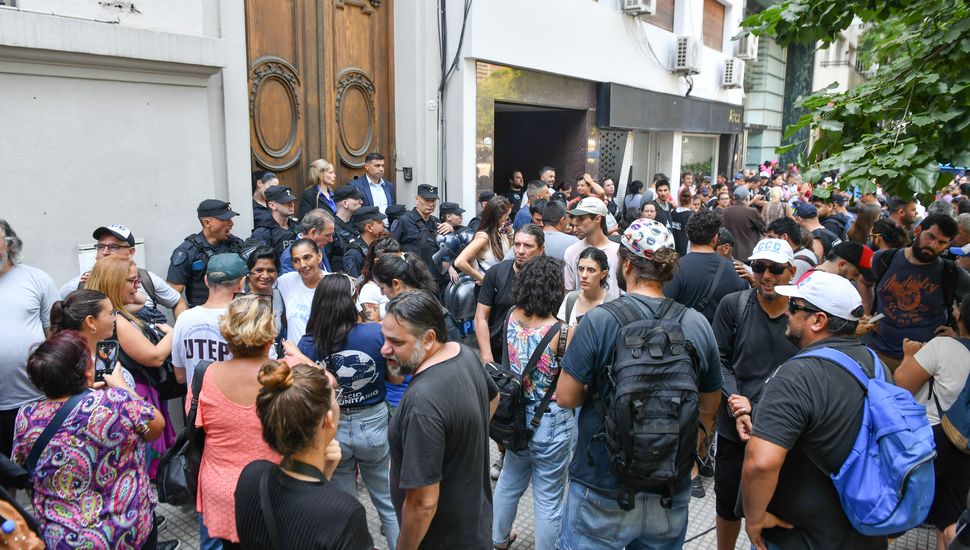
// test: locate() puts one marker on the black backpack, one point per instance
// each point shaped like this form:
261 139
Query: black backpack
652 402
507 426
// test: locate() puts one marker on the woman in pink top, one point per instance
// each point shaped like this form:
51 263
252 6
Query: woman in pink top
227 412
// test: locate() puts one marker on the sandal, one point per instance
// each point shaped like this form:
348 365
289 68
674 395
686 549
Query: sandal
512 537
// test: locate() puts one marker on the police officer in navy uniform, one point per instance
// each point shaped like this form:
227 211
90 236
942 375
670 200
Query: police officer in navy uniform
369 221
483 199
186 269
348 199
282 228
420 228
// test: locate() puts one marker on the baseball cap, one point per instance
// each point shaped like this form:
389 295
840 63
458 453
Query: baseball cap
856 254
738 176
839 198
215 208
280 194
590 205
395 211
830 293
742 193
764 174
346 192
120 232
773 250
960 250
225 267
450 208
805 210
429 192
486 196
366 214
645 237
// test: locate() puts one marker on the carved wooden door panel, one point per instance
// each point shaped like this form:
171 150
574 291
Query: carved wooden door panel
320 85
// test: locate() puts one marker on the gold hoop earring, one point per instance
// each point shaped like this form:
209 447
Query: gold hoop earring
93 330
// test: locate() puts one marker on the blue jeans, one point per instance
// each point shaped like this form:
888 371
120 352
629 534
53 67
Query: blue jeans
364 447
593 520
205 541
546 462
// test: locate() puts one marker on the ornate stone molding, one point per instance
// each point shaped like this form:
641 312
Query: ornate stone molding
350 80
264 70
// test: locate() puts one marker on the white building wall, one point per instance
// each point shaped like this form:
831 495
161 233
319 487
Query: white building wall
120 117
582 39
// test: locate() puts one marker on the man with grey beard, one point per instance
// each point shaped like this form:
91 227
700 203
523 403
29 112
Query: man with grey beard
439 436
27 295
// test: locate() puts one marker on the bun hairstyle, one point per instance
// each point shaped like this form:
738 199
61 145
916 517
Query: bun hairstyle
292 404
661 267
70 313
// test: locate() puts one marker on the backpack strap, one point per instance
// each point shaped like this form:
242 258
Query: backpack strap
702 304
744 304
267 509
571 303
55 424
547 398
505 338
849 364
540 349
283 324
197 375
148 284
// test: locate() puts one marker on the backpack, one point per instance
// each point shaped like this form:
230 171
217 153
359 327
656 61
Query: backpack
805 258
886 484
955 421
507 426
652 402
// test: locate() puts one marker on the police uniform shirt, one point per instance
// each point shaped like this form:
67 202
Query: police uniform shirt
420 237
276 236
354 258
188 264
344 233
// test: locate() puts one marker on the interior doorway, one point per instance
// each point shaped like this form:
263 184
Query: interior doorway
528 137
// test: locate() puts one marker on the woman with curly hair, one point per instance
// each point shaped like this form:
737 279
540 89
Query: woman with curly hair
537 293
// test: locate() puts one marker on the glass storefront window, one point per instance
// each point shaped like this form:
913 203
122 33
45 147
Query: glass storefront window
698 154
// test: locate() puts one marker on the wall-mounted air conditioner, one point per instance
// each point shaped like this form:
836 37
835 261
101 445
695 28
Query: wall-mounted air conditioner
748 47
687 56
733 73
637 8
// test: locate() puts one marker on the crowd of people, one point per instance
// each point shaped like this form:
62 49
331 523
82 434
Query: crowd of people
349 340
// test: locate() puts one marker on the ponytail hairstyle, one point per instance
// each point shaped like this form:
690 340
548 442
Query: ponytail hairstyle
292 404
407 268
70 313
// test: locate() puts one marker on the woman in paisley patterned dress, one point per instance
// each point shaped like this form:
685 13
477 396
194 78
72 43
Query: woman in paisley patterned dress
91 486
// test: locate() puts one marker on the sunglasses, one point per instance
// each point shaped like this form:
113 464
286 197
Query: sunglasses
775 269
793 307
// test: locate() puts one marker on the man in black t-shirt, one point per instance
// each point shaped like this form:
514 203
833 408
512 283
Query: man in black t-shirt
750 331
704 277
516 192
807 216
438 436
809 406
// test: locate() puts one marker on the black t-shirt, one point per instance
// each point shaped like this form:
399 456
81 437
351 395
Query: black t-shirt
828 240
515 199
751 349
813 404
309 514
694 278
496 292
678 224
439 434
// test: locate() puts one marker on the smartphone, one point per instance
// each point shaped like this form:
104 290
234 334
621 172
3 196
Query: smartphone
105 357
876 318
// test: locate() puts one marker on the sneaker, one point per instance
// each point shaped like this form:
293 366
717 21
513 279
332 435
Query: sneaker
496 469
707 468
697 488
159 522
168 545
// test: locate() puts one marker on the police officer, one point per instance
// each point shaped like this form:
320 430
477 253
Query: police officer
187 267
394 214
451 213
282 228
420 229
483 199
348 199
369 221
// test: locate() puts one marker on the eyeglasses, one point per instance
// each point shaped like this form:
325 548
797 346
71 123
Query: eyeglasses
775 269
134 281
111 247
793 307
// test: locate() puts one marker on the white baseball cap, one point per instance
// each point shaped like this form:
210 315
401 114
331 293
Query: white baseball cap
773 250
828 292
590 205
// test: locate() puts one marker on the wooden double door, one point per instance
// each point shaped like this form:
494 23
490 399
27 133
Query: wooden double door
321 85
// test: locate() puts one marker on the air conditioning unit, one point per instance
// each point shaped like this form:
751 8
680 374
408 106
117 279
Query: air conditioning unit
733 73
687 56
748 47
636 8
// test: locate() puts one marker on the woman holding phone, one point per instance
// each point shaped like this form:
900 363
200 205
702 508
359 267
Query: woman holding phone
491 241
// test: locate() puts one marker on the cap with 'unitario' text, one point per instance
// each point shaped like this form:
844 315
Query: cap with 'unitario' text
119 231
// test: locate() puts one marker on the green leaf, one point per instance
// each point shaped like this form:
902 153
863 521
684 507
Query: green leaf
785 148
830 125
923 178
922 120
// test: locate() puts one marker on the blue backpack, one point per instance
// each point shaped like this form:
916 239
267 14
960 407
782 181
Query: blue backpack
887 482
